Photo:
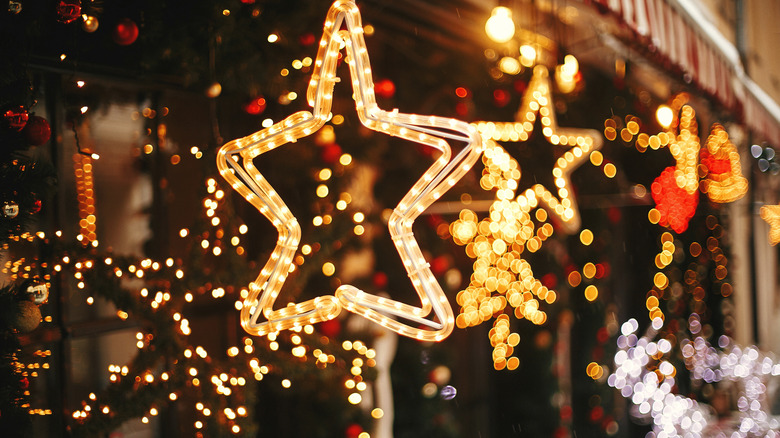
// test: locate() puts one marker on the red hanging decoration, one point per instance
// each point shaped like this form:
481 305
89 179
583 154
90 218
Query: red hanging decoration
384 88
353 430
307 39
501 97
37 131
68 11
16 118
675 205
330 153
330 328
255 106
36 206
125 32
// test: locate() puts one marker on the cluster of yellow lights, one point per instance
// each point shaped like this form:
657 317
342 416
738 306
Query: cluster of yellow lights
685 145
501 276
23 268
669 252
194 358
235 163
224 383
728 186
771 214
82 165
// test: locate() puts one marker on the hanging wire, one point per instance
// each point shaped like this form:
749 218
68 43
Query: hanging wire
81 151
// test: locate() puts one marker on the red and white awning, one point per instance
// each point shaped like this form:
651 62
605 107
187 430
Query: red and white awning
677 30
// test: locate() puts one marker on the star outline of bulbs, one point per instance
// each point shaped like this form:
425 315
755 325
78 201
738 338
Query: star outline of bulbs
510 223
536 103
235 164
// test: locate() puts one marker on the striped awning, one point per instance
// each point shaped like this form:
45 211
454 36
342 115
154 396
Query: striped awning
677 30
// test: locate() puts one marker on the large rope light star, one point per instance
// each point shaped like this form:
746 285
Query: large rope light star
235 163
501 275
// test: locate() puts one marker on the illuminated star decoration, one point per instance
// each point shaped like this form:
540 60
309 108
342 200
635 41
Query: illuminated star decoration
497 243
771 214
235 163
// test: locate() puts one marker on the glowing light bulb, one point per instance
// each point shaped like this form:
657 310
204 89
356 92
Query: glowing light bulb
527 55
664 115
500 27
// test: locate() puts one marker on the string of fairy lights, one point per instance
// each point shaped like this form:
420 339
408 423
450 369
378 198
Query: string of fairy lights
192 362
642 373
501 275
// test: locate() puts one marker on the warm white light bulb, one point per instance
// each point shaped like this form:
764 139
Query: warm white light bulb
527 55
664 115
500 27
570 65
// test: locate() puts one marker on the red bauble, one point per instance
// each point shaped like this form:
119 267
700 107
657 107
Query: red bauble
380 280
353 430
461 109
255 106
439 265
549 280
16 118
501 97
330 328
36 207
24 383
68 11
307 39
676 205
330 154
37 131
125 32
384 88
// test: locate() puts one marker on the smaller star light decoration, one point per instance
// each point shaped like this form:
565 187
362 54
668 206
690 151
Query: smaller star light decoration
235 163
771 214
714 169
647 379
497 243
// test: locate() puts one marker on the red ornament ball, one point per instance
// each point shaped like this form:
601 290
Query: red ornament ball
384 88
353 430
68 11
307 39
439 265
16 118
24 383
255 106
501 97
125 32
36 207
37 131
330 328
380 280
330 154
